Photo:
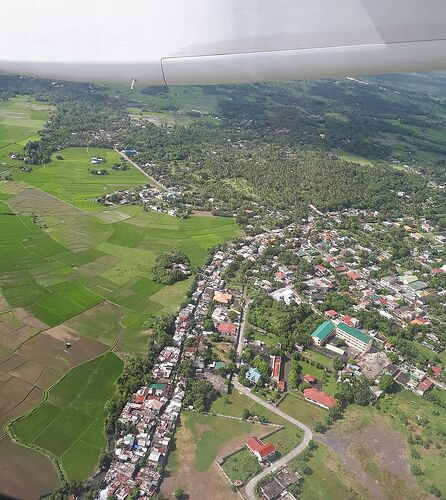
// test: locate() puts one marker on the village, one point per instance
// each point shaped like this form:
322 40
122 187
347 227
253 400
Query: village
320 265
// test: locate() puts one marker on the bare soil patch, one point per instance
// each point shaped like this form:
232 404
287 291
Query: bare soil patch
210 484
375 454
18 465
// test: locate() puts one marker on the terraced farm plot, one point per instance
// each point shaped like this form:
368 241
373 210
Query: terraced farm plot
21 119
79 273
69 424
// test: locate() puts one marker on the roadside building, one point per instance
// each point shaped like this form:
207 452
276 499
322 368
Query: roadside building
253 375
261 450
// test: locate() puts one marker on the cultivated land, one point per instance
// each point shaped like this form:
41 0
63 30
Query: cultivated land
21 119
80 274
69 424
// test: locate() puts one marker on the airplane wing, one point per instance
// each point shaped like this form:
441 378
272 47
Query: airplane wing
187 42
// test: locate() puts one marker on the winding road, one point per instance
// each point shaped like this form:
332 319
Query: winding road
308 436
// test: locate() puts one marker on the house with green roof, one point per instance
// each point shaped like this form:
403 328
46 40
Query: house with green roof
354 337
323 333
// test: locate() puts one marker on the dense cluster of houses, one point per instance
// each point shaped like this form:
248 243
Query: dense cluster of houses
149 420
322 261
333 256
151 198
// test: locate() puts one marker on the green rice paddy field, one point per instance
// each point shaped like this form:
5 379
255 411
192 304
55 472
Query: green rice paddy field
69 424
20 121
71 269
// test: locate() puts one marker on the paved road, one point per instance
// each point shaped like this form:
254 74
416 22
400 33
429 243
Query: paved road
308 436
157 184
241 332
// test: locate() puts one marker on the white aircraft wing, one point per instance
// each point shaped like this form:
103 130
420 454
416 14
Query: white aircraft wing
179 42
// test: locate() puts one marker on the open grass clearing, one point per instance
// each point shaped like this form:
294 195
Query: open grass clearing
233 404
418 418
181 468
70 180
294 405
328 479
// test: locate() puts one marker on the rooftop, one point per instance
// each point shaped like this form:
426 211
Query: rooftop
323 331
320 397
354 333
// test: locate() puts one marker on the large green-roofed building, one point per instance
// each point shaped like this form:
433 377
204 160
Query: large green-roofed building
354 337
323 333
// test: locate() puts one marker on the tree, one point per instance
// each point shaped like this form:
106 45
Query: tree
416 471
338 364
387 384
246 414
435 491
178 493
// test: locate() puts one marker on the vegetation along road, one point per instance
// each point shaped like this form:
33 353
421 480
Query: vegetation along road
308 436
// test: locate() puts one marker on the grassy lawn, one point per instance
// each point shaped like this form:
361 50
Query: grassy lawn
308 369
267 338
295 406
328 479
234 404
319 357
69 424
211 433
242 466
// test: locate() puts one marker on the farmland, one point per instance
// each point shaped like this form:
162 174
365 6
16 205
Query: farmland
72 271
20 121
69 423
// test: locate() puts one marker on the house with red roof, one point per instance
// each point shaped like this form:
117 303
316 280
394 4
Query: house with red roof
280 275
437 271
309 379
319 398
227 328
424 386
420 321
353 275
281 385
320 269
331 313
436 371
276 365
261 450
350 321
341 269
